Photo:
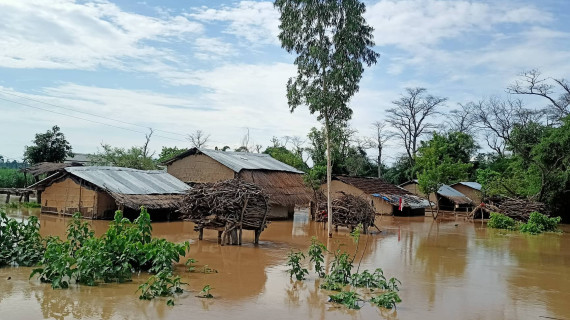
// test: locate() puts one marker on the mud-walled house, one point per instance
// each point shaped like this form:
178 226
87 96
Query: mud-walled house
446 198
384 196
471 190
283 183
97 192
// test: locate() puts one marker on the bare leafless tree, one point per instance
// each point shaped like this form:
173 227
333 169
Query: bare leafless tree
198 139
497 117
383 135
245 143
147 141
532 83
461 120
411 117
258 148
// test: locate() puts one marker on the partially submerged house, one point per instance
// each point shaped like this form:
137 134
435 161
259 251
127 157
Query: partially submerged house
384 196
97 192
446 198
470 189
283 183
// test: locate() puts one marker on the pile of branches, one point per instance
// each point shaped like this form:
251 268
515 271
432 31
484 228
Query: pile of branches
518 209
348 211
226 204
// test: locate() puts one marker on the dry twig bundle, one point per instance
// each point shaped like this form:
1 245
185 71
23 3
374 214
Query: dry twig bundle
518 209
348 211
226 206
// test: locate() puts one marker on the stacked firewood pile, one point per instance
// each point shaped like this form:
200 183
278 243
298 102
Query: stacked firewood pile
518 209
226 206
348 211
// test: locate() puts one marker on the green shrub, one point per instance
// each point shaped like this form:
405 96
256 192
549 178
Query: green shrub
349 299
20 242
500 221
294 261
316 251
386 300
538 223
163 284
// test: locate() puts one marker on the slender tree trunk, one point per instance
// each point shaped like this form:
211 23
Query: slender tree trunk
329 176
379 160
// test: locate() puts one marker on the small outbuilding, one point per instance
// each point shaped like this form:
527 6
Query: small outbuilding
446 198
97 192
470 189
281 182
384 196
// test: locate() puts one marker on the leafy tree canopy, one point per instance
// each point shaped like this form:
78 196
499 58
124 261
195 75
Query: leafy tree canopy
120 157
168 153
286 156
48 147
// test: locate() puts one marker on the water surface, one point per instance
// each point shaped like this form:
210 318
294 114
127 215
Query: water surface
450 269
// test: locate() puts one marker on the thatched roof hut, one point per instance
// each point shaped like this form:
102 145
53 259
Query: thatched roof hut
283 183
384 196
446 198
48 168
97 192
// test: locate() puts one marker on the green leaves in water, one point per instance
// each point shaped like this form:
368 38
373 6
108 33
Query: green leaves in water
349 299
163 284
386 300
205 293
20 241
316 256
294 262
124 248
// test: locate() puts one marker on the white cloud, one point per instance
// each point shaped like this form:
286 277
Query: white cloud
235 97
66 34
256 22
213 49
414 24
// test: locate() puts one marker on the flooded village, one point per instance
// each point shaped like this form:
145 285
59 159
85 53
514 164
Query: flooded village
284 159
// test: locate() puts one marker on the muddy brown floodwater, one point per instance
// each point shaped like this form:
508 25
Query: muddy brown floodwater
450 269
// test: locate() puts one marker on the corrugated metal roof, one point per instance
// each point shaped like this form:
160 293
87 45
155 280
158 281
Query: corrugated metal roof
450 193
130 181
472 185
238 161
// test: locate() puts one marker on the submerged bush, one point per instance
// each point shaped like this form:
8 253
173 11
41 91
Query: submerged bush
124 248
386 300
538 223
20 241
294 262
349 299
500 221
163 284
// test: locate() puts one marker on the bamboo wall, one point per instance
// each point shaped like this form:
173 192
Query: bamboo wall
68 197
199 168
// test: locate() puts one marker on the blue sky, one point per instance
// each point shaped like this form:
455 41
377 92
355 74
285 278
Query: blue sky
217 66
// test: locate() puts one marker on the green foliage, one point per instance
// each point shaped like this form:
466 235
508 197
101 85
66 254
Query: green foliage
294 261
341 268
163 284
330 284
168 153
20 242
286 156
48 147
316 176
500 221
349 299
315 253
13 178
190 264
386 300
205 293
123 248
135 158
538 223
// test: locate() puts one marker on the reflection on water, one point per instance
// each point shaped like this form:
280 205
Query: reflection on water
449 269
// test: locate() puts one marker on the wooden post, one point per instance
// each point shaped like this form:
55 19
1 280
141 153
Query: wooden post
7 197
21 197
257 233
27 197
241 220
201 234
220 237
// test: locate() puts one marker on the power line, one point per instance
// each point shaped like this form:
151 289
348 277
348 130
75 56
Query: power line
76 117
88 113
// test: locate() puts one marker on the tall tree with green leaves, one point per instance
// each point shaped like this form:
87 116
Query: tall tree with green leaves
443 160
332 41
48 147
